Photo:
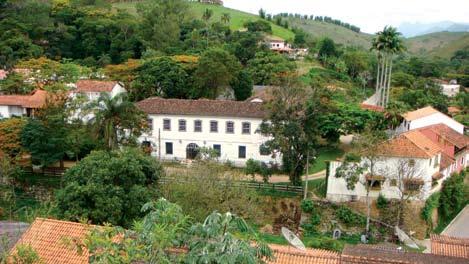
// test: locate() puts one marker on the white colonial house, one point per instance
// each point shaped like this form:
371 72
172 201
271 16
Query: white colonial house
427 116
410 159
92 90
21 105
180 128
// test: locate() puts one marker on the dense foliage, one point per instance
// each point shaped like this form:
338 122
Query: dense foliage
109 187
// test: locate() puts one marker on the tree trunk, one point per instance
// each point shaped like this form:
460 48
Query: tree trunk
368 210
383 81
389 81
378 76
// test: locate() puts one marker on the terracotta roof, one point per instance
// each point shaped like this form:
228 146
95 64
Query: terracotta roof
450 246
375 108
35 100
449 134
202 107
412 144
419 113
53 241
453 110
290 255
96 86
369 254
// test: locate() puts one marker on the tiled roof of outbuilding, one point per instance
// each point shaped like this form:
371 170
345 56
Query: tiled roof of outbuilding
202 107
35 100
450 246
96 86
369 254
53 241
449 134
419 113
290 255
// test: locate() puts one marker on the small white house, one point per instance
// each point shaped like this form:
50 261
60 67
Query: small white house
92 91
21 105
451 88
180 128
410 159
427 116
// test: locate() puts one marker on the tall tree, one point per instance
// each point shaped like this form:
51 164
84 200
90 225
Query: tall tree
161 22
215 70
161 77
206 16
386 43
293 125
242 86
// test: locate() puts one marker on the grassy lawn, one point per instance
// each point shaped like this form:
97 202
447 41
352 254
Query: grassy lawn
238 18
325 154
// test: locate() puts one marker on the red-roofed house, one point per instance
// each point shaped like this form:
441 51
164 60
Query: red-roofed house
21 105
422 156
94 88
453 144
427 116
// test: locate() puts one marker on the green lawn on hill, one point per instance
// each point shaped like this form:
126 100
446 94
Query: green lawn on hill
238 18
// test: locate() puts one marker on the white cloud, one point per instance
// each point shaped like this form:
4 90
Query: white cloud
370 15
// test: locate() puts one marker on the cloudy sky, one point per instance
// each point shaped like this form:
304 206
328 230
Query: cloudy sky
369 15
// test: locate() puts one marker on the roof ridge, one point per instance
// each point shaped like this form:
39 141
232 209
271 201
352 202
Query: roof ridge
61 221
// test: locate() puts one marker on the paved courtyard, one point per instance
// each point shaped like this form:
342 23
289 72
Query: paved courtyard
460 225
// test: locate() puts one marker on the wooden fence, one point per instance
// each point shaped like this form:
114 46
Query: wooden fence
251 185
53 171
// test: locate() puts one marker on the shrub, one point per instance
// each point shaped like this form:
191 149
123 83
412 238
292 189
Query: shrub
349 217
430 204
327 243
382 203
452 197
307 206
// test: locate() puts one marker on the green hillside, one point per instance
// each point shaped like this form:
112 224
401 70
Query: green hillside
238 18
440 44
337 33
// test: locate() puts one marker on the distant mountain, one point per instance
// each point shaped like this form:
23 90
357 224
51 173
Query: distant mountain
417 29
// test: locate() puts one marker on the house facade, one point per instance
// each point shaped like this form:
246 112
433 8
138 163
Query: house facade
179 129
92 91
450 88
407 162
21 105
427 116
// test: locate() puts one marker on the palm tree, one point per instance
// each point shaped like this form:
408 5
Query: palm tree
226 18
117 120
387 43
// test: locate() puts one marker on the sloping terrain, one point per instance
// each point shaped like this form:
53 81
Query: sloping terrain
238 18
440 44
337 33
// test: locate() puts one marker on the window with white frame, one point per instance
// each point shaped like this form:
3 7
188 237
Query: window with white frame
246 128
214 126
230 127
167 124
198 126
182 125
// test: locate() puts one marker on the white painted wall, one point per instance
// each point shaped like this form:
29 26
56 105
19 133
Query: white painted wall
7 111
387 167
229 142
433 119
450 90
278 45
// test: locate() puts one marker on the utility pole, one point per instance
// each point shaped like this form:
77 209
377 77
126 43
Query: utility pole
159 143
307 176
